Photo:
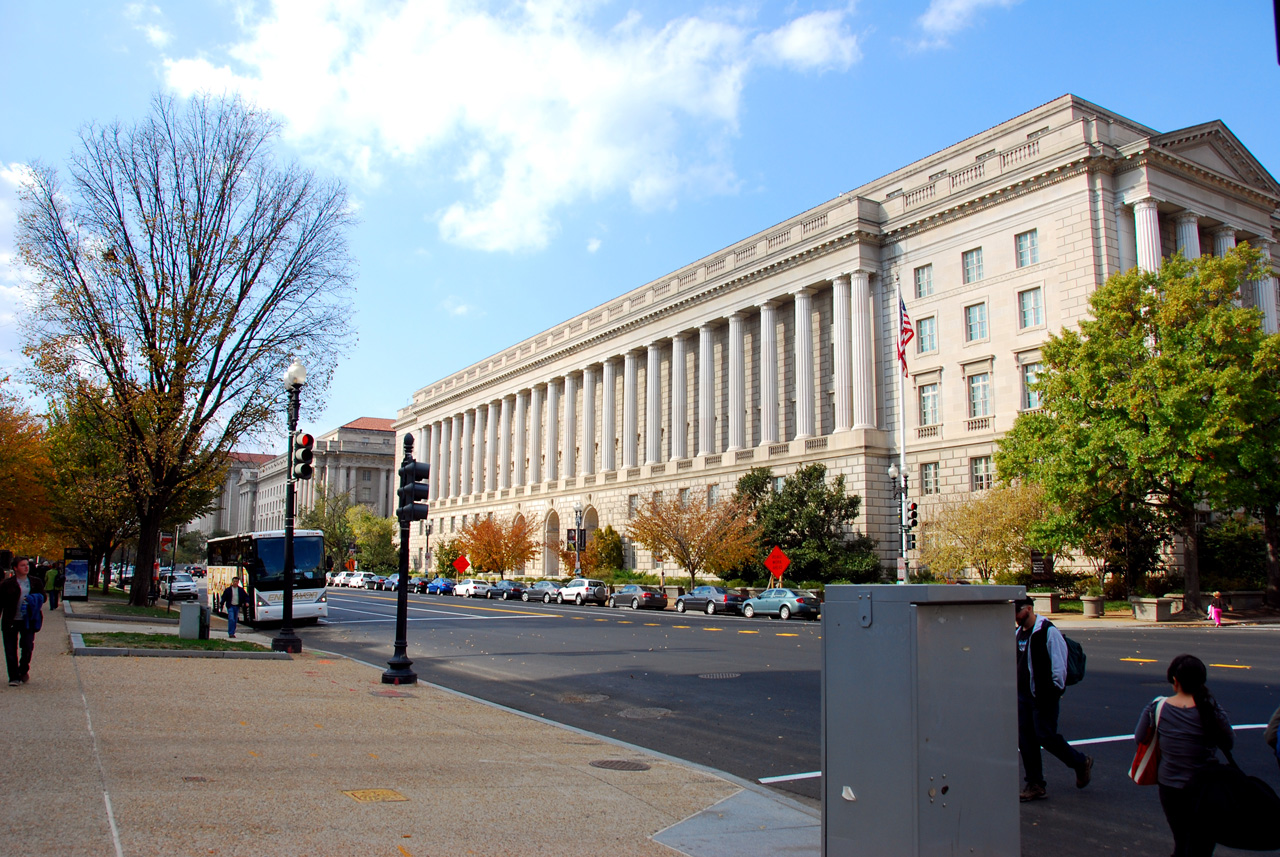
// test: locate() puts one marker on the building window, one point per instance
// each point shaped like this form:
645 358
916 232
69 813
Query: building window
633 502
924 281
929 478
929 404
981 473
980 395
778 482
975 322
684 497
453 524
1031 398
366 475
1030 308
972 261
1028 251
657 497
713 494
927 335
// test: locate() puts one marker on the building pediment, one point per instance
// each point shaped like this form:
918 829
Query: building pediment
1213 147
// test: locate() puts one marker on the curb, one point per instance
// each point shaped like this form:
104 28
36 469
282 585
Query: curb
113 617
79 648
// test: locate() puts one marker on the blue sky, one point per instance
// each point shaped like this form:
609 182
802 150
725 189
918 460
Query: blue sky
514 164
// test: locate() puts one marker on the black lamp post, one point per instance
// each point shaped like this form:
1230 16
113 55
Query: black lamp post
577 540
899 478
287 640
413 487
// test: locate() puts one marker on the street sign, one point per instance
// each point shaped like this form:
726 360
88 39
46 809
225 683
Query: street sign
777 562
461 564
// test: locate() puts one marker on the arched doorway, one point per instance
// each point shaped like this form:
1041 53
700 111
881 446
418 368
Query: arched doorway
590 521
550 542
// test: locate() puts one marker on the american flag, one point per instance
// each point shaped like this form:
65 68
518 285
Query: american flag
905 334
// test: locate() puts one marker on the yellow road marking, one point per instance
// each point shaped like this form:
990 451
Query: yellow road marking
1140 660
651 624
679 626
1232 666
624 621
786 635
748 632
713 629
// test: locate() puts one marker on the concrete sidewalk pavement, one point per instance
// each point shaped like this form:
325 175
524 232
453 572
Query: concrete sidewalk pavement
315 756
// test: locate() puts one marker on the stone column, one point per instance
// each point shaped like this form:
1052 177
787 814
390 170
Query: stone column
706 391
1125 236
1147 221
864 361
553 430
1188 223
431 455
768 373
518 462
609 417
679 398
589 420
842 344
504 444
737 383
1264 289
491 447
1224 240
481 452
629 407
653 406
570 426
468 441
535 436
804 363
455 457
440 461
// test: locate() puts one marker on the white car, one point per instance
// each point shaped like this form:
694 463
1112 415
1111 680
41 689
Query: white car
178 585
340 579
471 588
580 590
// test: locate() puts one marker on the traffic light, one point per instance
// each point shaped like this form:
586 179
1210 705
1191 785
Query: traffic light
913 516
302 455
415 485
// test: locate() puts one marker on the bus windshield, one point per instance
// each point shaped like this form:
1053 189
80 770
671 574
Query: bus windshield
308 562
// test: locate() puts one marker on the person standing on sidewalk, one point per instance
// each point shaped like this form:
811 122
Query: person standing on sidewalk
233 598
1215 609
19 635
1191 726
1042 679
53 584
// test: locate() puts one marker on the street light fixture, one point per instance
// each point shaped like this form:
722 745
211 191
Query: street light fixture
287 640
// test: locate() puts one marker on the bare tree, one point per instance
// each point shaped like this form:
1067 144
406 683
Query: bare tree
179 270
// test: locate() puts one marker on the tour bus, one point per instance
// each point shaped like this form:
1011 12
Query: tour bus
258 560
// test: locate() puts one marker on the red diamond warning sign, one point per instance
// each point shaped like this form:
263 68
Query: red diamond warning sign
461 564
777 561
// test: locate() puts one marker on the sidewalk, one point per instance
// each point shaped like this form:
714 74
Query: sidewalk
315 756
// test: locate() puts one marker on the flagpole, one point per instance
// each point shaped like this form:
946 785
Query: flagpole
902 435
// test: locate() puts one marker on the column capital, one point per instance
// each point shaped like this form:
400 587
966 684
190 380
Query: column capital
1187 216
1145 202
806 291
1225 230
737 315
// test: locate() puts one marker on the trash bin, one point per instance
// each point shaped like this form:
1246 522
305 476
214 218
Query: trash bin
189 621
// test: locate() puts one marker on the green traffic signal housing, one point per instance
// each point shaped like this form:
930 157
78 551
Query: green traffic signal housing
303 442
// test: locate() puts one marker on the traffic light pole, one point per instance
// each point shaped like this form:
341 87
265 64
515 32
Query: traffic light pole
287 640
399 668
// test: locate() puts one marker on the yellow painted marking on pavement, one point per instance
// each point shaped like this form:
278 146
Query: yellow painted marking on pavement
624 621
319 726
402 851
786 635
374 795
1232 666
251 753
242 723
373 755
651 624
602 620
748 632
1140 660
713 629
679 626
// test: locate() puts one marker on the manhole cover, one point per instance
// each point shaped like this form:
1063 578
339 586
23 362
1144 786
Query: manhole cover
619 765
582 698
720 675
391 693
644 713
374 795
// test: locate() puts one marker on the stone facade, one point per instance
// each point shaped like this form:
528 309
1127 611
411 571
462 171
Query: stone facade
226 516
781 349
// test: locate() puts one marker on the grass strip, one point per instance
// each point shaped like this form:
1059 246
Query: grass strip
127 640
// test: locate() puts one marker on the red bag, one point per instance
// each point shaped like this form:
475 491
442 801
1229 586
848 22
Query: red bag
1146 761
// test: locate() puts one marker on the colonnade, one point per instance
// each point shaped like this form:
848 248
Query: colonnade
501 444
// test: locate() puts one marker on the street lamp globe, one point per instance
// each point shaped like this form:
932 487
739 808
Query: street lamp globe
295 375
893 471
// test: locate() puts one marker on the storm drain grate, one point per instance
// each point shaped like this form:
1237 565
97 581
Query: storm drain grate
619 765
720 675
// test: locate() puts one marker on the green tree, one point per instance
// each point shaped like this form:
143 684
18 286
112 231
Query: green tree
446 551
375 540
180 270
329 515
191 547
1148 400
1256 469
988 531
604 551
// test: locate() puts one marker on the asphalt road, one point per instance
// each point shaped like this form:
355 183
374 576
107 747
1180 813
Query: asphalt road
743 695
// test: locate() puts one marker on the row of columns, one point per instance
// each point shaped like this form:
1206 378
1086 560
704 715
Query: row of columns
483 448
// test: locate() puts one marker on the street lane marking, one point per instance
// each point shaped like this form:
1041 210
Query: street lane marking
626 621
713 629
786 635
652 624
811 775
680 626
748 632
1140 660
1232 666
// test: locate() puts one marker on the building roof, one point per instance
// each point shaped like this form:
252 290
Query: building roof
370 424
250 457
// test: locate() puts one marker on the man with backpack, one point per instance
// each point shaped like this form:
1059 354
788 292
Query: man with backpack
1042 679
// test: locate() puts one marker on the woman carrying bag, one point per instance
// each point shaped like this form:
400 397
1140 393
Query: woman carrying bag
1191 725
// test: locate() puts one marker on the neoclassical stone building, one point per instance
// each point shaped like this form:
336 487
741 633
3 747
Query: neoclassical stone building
781 349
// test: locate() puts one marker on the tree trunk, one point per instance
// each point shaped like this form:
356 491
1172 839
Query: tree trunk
106 569
144 565
1191 563
1271 532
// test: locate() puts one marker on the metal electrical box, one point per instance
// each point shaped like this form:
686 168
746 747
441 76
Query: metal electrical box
919 721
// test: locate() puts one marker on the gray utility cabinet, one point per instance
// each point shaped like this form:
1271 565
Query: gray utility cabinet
919 721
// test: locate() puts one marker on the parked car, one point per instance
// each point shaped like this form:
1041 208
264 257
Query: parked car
441 586
390 582
471 588
505 589
543 590
635 596
339 578
581 590
712 599
418 584
178 586
377 581
360 579
783 603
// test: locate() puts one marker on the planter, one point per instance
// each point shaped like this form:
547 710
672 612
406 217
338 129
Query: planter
1152 609
1045 602
1094 606
1175 599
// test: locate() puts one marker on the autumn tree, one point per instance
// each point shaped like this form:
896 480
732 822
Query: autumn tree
446 552
180 269
988 531
500 545
696 535
25 473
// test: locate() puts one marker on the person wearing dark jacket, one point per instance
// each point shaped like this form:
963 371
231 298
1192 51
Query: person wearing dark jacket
1191 725
1042 679
234 599
19 636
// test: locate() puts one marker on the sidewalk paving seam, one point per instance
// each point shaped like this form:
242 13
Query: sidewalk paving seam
97 760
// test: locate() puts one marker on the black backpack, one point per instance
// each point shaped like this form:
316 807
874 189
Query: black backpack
1075 661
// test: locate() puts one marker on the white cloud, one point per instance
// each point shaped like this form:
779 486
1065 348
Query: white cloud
529 109
158 36
946 17
144 18
454 306
593 245
14 292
